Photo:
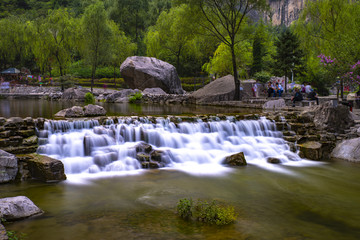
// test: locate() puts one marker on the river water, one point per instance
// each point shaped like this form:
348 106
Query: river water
108 196
313 202
42 108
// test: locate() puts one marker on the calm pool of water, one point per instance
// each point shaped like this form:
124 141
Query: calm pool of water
318 202
43 108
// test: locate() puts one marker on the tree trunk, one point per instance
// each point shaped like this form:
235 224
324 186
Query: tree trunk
342 89
115 77
92 77
286 81
236 79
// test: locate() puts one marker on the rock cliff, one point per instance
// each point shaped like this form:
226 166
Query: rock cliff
285 11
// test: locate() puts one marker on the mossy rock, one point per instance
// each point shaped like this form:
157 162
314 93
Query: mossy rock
44 168
237 159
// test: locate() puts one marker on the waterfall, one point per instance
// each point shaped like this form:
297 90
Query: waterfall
133 144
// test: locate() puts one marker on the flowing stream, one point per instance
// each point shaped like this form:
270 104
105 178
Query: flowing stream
89 150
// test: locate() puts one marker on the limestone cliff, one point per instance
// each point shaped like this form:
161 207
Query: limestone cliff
285 11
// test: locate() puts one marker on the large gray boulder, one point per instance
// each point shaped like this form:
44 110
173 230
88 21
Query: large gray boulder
147 72
222 89
348 150
8 167
17 208
74 94
333 118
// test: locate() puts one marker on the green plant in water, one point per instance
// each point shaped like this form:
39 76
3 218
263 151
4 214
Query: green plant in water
184 208
13 235
203 211
89 98
135 97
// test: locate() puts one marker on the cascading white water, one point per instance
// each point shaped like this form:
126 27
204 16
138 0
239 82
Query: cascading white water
199 147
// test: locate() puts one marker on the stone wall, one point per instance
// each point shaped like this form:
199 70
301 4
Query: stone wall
18 135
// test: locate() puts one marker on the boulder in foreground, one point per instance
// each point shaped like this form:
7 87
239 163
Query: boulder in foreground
8 167
148 72
348 150
17 208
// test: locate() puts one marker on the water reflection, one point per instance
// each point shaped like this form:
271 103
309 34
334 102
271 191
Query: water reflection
44 108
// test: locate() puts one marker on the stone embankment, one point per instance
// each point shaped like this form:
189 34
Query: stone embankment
316 131
19 136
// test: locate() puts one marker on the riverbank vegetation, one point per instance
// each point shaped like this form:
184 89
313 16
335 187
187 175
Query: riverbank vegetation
89 39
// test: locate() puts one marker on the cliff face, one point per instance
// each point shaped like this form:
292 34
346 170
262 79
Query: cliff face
285 11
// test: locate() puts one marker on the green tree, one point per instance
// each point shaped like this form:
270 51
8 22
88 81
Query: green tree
263 48
223 19
330 27
288 54
14 47
121 47
131 16
61 30
171 37
96 36
221 63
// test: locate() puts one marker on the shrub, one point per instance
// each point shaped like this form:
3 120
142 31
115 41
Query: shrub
89 98
212 213
184 208
262 76
136 97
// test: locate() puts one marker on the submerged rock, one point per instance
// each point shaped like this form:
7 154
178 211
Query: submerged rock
17 208
148 72
348 150
8 167
237 159
273 160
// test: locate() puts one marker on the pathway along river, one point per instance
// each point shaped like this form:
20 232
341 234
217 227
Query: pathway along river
111 198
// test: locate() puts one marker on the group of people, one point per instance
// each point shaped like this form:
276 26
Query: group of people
312 95
274 90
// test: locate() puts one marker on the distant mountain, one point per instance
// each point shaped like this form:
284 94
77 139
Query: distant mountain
284 12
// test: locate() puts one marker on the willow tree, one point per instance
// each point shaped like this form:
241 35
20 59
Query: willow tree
97 35
121 47
223 19
171 36
59 29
